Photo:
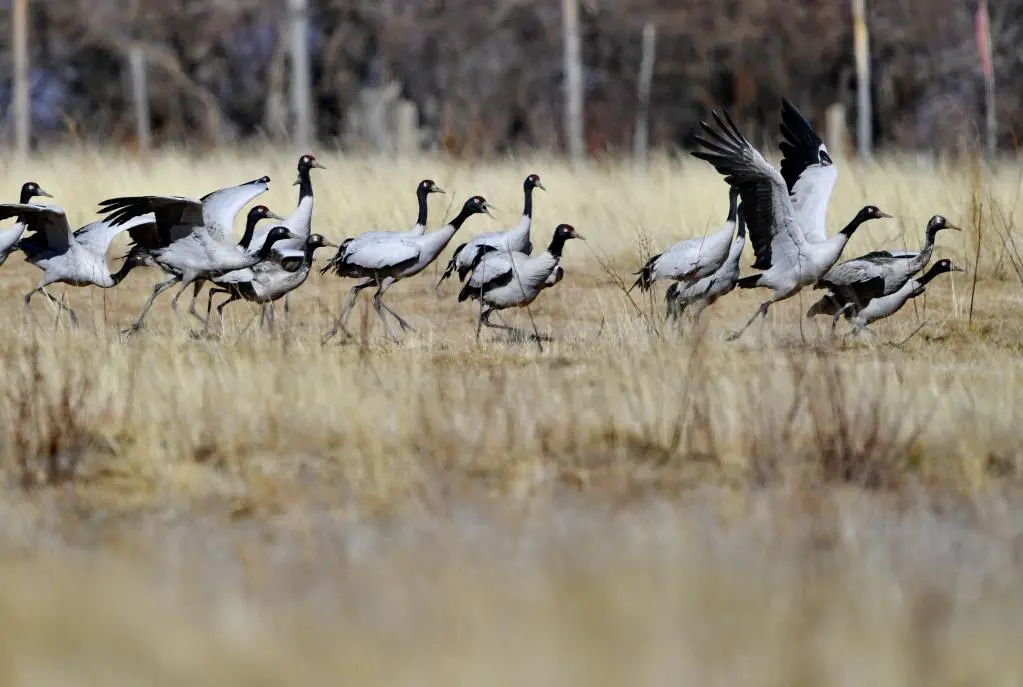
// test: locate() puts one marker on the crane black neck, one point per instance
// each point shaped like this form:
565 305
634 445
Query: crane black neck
127 266
264 250
307 256
931 274
557 244
305 183
851 228
527 205
460 218
421 194
250 229
26 195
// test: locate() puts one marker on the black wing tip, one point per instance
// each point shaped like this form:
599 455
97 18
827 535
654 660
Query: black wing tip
825 306
750 282
467 292
645 279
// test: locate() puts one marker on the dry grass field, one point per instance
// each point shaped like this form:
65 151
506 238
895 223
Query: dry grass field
621 505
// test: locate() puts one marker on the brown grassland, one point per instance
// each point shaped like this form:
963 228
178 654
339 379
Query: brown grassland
619 506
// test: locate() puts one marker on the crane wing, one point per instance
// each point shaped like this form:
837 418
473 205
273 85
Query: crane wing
383 254
236 277
176 216
857 281
494 269
287 259
220 207
879 255
48 220
808 171
97 236
770 216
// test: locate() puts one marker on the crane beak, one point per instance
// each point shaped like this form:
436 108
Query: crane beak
317 165
437 189
488 208
577 235
540 186
329 244
958 269
952 226
44 194
275 216
885 215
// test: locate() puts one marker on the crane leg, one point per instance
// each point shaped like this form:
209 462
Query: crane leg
761 312
701 305
209 307
57 302
28 299
384 285
485 322
220 309
271 316
174 301
378 305
157 290
195 297
347 308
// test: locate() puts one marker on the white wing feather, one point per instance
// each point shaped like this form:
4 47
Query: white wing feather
810 197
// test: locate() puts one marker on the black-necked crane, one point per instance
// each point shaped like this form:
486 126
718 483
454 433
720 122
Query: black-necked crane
789 262
705 292
10 236
387 260
886 306
693 259
148 238
515 239
77 258
502 279
854 283
266 281
178 216
203 253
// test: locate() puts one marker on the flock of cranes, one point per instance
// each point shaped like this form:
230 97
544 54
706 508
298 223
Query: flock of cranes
782 213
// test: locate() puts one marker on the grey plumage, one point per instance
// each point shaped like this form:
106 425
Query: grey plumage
888 305
852 284
515 239
788 259
705 292
512 279
76 258
268 280
388 259
693 259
